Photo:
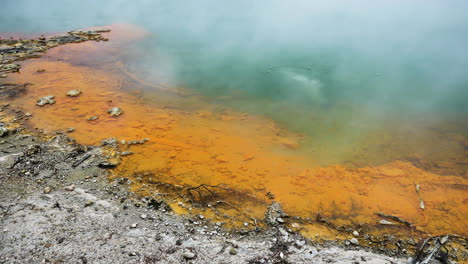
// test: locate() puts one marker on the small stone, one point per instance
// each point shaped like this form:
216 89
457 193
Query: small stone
70 129
89 203
3 131
47 189
178 242
232 251
69 188
354 241
134 225
3 76
126 153
92 118
355 233
60 240
385 222
41 70
189 255
246 224
107 165
280 220
28 114
115 111
300 243
49 99
73 93
144 216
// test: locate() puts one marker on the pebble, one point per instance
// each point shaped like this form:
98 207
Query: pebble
28 114
3 131
232 251
89 203
144 216
47 190
41 70
355 233
126 153
69 188
73 93
300 243
92 118
3 76
189 255
115 111
354 241
49 99
385 222
280 220
134 225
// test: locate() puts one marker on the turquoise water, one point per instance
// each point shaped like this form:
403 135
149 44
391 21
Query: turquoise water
336 72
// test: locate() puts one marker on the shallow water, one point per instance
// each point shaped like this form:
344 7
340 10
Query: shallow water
196 139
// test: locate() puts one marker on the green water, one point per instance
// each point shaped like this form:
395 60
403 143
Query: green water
351 77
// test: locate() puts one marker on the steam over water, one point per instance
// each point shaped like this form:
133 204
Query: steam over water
332 70
390 54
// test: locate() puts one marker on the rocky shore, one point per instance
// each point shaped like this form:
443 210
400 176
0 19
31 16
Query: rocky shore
54 210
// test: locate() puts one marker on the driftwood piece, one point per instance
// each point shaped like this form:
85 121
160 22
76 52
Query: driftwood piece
78 162
438 250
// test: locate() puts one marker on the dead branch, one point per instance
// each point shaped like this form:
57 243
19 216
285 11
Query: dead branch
200 189
426 253
396 218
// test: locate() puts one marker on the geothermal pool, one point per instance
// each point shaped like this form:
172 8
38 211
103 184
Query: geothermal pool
337 132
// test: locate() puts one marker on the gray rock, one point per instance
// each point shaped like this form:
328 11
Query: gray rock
92 118
47 189
3 131
73 93
189 255
69 188
354 241
115 111
385 222
274 212
49 99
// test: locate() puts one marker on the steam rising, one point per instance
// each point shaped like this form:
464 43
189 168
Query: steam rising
387 56
397 53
